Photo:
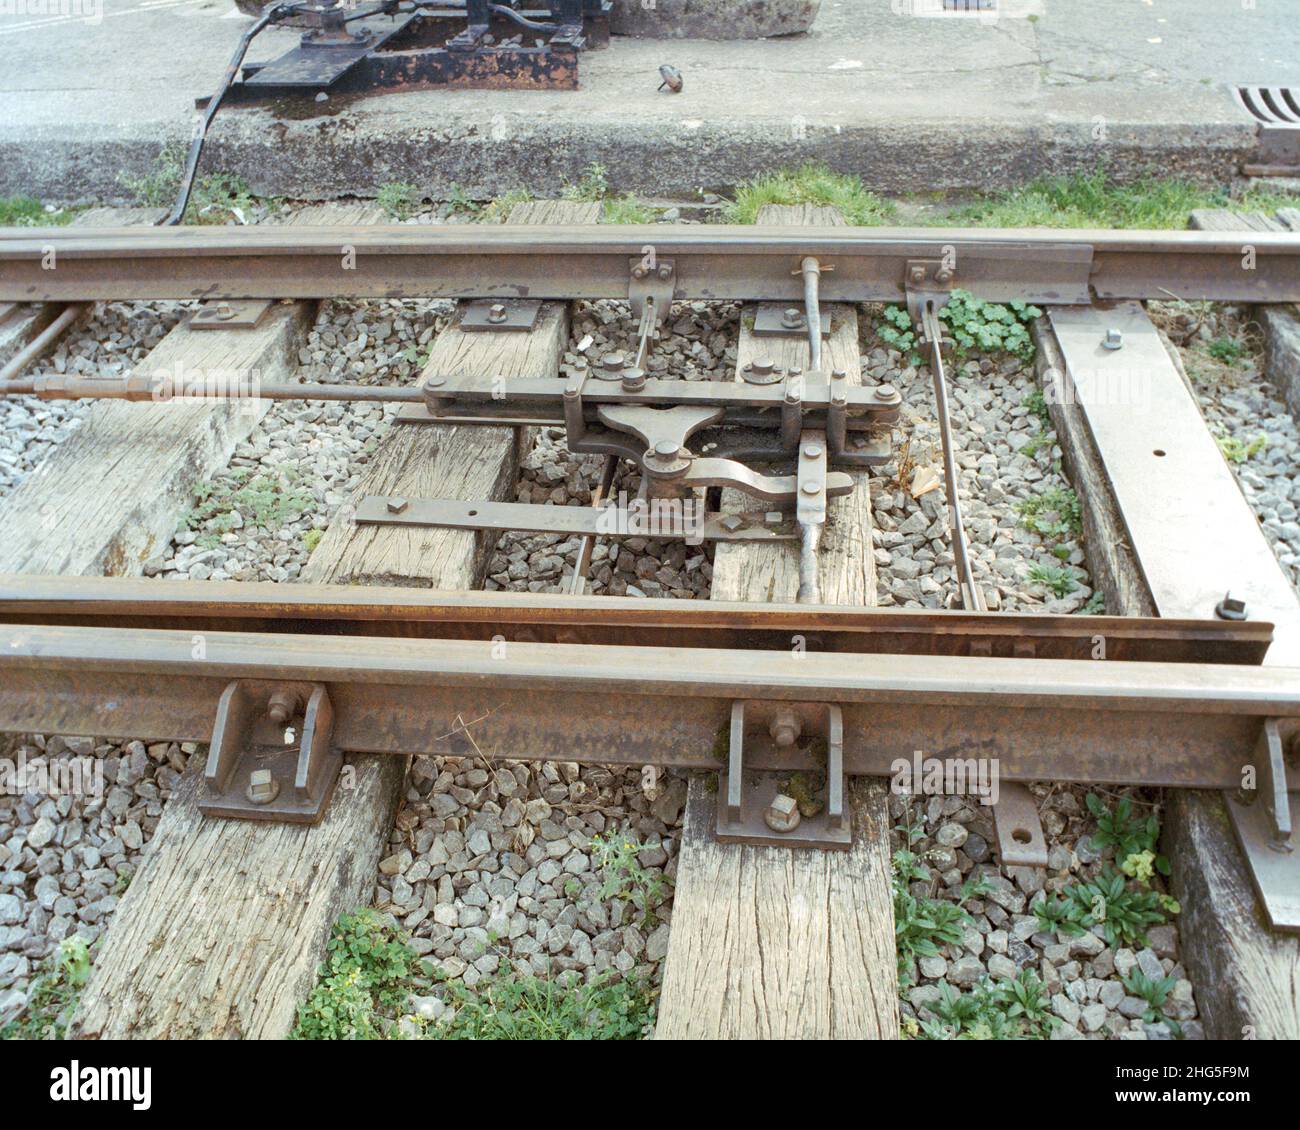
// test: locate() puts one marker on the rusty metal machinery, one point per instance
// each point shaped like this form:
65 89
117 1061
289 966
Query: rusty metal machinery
391 45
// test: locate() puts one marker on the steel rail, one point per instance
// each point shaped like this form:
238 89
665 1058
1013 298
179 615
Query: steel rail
1190 725
712 262
119 602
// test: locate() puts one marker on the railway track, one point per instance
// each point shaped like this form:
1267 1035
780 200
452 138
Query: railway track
1192 696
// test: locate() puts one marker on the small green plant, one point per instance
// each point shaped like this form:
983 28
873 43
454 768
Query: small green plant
990 327
923 924
1096 605
895 329
810 183
398 199
1238 451
123 881
362 984
1055 514
214 198
53 994
1059 580
28 212
972 324
1011 1009
511 1006
626 210
266 500
594 184
625 879
1036 402
1133 837
311 539
497 211
1036 444
1226 350
1123 912
1155 991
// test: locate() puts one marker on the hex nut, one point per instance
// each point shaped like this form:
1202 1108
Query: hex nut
262 787
782 814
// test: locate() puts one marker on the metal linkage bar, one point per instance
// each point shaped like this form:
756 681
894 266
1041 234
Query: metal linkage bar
972 598
710 262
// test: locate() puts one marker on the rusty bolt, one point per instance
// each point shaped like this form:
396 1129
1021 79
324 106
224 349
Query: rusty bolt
1231 608
886 392
633 380
665 272
672 78
943 275
262 787
763 366
225 311
785 728
282 706
812 486
397 505
612 362
435 382
918 274
1114 339
812 450
782 814
496 313
791 317
638 272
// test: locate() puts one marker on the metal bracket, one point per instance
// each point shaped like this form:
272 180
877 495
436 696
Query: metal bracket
927 284
777 319
1264 819
1020 830
230 314
651 282
271 756
754 806
501 314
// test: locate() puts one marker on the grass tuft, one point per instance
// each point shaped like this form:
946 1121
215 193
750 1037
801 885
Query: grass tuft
811 183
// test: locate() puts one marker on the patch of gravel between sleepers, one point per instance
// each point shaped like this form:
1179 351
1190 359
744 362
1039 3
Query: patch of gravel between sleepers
260 517
994 435
1083 975
116 337
66 858
492 862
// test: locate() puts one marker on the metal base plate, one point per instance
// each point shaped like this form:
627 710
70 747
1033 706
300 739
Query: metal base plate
501 314
769 321
1275 874
282 761
232 314
1020 831
759 790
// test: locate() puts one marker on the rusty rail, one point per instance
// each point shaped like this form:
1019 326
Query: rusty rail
713 262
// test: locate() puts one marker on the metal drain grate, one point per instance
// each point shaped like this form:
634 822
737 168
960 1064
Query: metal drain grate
1277 110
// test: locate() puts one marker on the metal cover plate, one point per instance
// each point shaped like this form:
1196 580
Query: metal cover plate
501 314
1273 872
769 320
232 314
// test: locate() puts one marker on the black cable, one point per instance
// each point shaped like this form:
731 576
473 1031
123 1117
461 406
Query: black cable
196 146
